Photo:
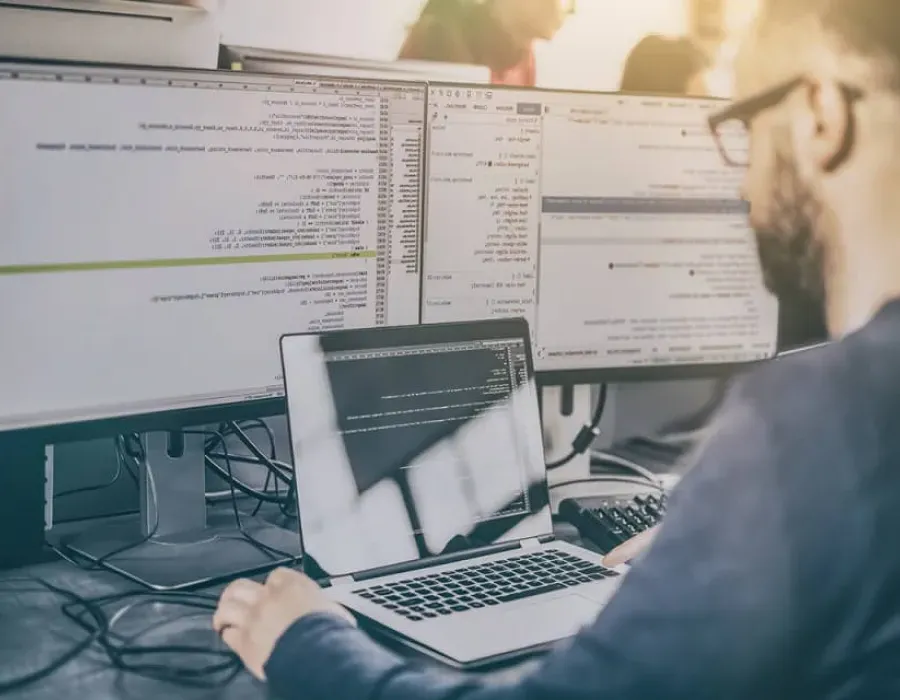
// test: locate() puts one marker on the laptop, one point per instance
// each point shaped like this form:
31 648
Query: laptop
422 490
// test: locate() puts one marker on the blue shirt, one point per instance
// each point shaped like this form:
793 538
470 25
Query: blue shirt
776 573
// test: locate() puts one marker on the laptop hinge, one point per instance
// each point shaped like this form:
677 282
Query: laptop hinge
531 543
342 581
361 576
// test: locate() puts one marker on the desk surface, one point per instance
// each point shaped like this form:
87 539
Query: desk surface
35 632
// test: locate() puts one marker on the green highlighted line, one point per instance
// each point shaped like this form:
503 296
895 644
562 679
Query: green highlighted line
177 262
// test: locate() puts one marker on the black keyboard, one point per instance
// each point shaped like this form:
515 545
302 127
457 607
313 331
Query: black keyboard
484 585
608 522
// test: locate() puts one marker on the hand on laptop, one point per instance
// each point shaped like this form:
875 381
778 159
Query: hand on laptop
252 617
627 551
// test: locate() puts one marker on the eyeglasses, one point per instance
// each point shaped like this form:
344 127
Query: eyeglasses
731 126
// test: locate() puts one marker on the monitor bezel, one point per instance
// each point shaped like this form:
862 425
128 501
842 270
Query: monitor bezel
596 375
176 419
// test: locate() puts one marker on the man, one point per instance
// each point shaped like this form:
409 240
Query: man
499 34
775 574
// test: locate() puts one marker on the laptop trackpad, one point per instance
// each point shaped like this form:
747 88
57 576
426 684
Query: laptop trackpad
529 625
552 619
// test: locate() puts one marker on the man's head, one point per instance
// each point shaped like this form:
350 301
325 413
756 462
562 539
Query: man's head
818 86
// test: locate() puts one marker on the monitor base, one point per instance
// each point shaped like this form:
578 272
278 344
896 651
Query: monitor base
218 553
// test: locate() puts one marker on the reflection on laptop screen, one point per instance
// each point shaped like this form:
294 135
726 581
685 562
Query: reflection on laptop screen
410 443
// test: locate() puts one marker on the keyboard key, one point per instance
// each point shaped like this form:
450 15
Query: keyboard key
510 597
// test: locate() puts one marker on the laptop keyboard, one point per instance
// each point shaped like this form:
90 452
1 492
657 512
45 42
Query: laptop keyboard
484 585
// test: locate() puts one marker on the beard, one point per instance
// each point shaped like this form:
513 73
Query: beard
792 256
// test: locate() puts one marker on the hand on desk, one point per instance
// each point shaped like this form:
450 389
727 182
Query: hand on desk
252 617
627 551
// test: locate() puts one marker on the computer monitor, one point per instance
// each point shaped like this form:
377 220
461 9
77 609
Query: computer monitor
609 221
163 228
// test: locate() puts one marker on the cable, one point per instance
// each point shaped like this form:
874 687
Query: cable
121 468
609 479
127 447
239 485
154 497
126 655
233 484
259 504
225 429
587 435
7 686
89 489
256 452
279 470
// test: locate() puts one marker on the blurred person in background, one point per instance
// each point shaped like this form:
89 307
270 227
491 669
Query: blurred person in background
499 34
665 66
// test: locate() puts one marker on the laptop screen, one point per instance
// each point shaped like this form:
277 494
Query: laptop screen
414 442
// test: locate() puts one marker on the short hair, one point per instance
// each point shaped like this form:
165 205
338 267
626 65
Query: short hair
662 65
868 28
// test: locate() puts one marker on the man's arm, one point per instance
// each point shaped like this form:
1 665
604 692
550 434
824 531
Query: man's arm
706 613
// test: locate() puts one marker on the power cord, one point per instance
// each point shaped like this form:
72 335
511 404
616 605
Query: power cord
126 653
228 428
282 473
17 683
89 489
154 662
587 435
132 447
121 468
233 485
128 447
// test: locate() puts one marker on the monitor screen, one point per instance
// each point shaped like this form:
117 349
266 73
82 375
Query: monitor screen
610 222
415 442
162 229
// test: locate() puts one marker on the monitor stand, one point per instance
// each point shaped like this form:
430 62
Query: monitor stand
175 544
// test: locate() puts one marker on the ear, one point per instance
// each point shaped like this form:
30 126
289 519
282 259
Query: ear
824 130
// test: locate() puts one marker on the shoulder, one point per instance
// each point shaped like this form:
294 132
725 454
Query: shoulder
797 438
806 392
782 422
